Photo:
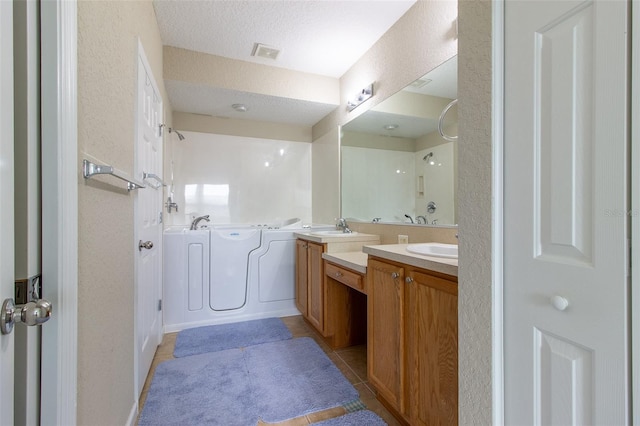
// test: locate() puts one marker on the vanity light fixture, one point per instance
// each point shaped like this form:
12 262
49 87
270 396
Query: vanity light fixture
240 107
364 94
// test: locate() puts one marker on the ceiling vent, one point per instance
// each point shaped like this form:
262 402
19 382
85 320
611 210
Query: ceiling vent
264 51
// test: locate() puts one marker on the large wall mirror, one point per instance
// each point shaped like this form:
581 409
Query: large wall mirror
395 165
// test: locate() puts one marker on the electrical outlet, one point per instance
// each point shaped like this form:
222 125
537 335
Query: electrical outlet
403 239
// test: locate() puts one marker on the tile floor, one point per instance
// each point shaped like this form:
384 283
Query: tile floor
352 361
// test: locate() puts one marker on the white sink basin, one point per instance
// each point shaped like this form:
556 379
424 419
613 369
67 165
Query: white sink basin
334 233
449 251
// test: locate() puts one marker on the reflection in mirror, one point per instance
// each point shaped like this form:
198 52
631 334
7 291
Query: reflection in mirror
395 166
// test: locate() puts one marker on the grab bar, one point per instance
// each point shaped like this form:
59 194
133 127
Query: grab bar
90 169
441 120
153 176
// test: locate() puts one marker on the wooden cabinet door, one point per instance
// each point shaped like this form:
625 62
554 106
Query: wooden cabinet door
316 286
431 369
302 292
385 340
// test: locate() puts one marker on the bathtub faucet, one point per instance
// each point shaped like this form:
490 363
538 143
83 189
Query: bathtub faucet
194 224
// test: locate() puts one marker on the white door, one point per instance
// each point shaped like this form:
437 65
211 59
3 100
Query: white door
6 197
148 219
565 188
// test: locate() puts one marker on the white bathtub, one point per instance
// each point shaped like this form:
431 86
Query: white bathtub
228 273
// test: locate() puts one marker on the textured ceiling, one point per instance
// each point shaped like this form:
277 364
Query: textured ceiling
319 37
315 36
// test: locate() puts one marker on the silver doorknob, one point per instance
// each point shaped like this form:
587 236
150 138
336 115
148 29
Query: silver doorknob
147 245
31 313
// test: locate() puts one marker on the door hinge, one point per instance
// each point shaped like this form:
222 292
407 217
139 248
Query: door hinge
160 304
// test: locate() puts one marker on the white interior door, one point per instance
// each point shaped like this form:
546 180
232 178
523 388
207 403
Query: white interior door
6 195
565 187
148 220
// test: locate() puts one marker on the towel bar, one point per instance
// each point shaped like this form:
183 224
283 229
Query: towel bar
90 169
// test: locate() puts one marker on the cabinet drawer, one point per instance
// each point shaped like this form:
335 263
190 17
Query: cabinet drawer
345 276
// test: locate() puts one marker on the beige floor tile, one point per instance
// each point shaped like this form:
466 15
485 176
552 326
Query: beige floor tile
369 399
356 358
326 414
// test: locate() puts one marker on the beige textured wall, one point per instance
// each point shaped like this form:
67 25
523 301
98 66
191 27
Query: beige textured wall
474 200
107 51
215 71
417 234
422 39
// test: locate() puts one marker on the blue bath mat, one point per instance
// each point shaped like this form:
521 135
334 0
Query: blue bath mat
215 338
295 377
273 381
358 418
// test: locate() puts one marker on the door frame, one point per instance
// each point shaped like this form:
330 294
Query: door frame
497 209
60 174
634 260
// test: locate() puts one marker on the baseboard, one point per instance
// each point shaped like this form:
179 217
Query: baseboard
133 415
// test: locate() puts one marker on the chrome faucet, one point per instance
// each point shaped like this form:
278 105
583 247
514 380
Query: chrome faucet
342 224
194 224
409 217
421 219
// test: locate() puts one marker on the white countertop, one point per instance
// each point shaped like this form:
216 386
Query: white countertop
399 253
354 260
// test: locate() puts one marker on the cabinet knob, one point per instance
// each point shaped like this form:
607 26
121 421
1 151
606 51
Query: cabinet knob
338 274
559 302
408 280
395 275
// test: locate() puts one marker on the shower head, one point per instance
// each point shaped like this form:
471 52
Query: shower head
180 135
431 160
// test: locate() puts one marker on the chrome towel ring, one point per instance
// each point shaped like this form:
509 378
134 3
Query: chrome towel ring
441 120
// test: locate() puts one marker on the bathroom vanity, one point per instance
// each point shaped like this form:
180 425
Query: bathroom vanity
319 300
412 342
403 305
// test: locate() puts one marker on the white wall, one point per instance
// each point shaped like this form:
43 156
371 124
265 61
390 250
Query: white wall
237 179
379 182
